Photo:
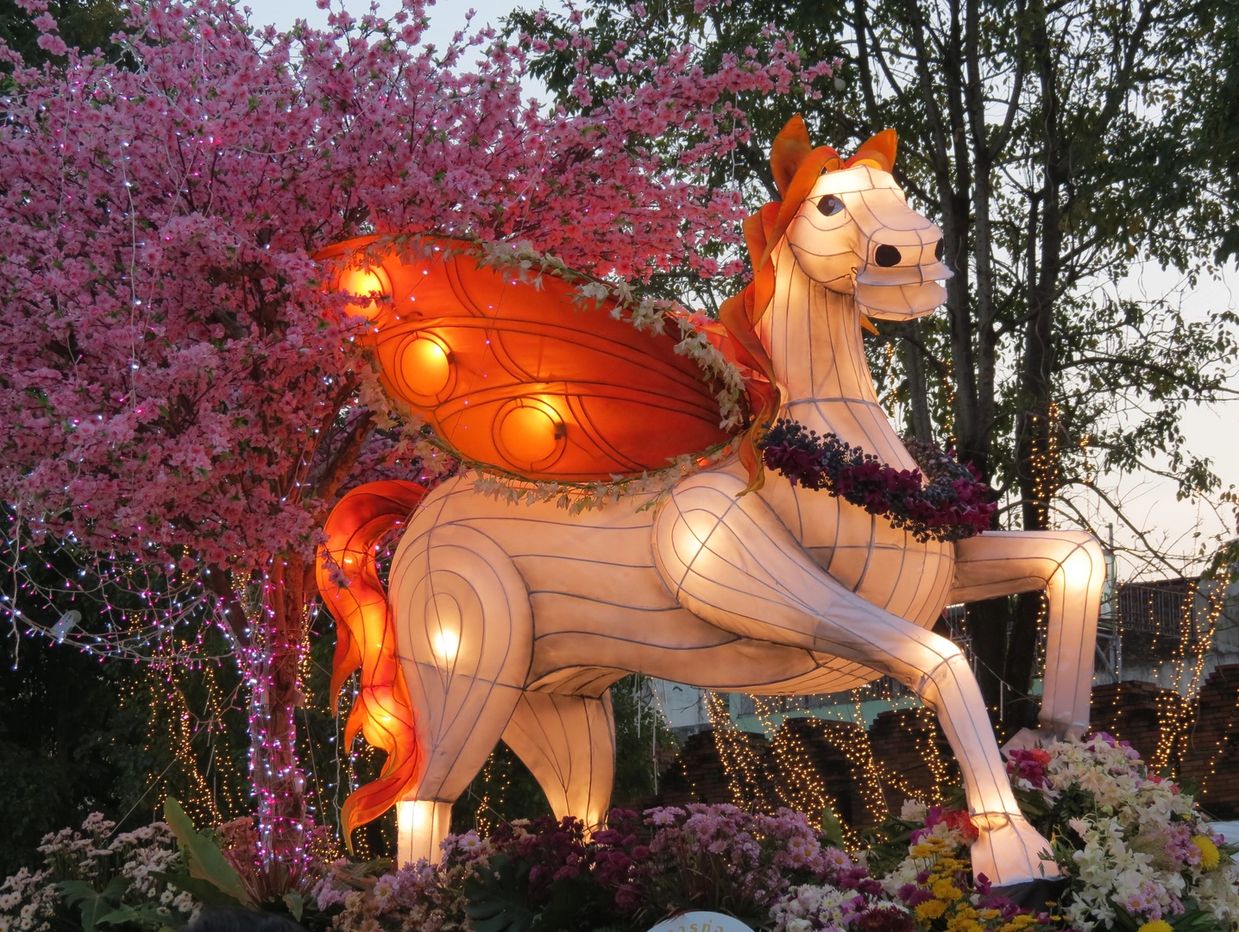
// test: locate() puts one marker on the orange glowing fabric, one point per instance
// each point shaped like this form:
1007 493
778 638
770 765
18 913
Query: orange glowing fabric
347 576
526 376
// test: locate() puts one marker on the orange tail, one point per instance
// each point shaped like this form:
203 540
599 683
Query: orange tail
348 580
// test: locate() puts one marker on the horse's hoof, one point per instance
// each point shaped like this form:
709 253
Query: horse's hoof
1032 895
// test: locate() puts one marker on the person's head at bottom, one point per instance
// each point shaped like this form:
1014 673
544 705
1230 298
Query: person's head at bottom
241 920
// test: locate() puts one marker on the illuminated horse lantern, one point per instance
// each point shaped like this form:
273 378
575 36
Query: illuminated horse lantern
509 620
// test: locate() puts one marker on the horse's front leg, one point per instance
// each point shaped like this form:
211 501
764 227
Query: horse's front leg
1070 567
731 561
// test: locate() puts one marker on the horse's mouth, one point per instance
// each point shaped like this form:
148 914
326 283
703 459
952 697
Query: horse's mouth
901 300
876 276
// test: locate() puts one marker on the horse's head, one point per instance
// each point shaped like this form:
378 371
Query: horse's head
850 229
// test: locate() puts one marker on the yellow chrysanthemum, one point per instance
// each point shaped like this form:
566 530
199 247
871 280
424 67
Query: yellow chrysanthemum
930 909
964 924
1017 923
1210 857
945 890
1156 925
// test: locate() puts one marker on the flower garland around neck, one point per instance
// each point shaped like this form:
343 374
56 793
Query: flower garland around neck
943 500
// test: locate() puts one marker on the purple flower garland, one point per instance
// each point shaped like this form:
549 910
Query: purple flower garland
943 500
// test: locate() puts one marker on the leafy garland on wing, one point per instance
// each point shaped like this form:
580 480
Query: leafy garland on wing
943 500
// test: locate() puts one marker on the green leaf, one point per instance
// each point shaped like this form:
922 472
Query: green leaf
572 904
832 831
203 857
496 897
295 903
121 915
91 903
143 917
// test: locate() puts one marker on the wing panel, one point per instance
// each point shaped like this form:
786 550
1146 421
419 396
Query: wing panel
522 375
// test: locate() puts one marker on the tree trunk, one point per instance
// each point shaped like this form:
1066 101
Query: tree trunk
273 667
918 391
1037 464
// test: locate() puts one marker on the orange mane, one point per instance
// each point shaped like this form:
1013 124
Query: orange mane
796 166
348 580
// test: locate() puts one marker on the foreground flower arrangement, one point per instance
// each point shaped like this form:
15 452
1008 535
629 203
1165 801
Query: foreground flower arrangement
1134 847
1135 853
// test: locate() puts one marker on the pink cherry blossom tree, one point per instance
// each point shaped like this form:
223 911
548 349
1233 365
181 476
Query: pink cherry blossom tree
180 387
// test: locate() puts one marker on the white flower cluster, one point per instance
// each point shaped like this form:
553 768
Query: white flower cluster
1142 849
1110 873
809 908
29 900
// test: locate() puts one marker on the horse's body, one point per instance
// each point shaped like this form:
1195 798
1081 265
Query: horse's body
513 619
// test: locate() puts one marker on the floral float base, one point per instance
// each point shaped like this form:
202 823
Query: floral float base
1135 851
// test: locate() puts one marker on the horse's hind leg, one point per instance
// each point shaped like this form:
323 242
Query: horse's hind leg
465 627
568 744
730 560
1070 567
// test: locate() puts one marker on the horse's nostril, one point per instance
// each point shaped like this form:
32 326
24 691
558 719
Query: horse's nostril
939 251
887 255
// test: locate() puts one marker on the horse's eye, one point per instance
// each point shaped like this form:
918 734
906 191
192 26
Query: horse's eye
829 205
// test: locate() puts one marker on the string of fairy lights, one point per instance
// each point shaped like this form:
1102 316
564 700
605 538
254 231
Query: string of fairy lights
1221 746
1178 715
1045 458
1177 708
150 610
793 778
141 607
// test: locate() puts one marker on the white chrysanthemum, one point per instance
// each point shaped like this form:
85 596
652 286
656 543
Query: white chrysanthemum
810 907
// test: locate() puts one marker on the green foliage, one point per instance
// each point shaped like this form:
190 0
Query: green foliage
100 908
497 900
642 736
205 862
496 896
86 24
66 747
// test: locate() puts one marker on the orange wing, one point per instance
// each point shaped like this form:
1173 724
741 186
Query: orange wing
520 376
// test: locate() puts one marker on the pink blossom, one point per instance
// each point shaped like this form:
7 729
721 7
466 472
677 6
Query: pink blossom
180 379
52 43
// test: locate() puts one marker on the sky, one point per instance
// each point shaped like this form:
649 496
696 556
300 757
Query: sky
1212 430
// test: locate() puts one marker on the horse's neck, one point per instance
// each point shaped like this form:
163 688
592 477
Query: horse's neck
815 343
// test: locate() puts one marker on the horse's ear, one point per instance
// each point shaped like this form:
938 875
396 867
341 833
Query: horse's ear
878 150
789 150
